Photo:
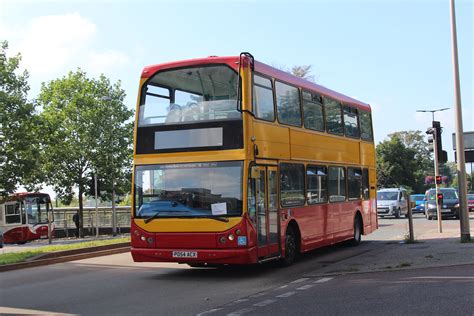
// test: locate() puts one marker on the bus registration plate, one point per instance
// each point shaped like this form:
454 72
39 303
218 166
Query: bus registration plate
185 254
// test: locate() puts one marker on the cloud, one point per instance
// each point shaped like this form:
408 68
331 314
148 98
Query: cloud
52 42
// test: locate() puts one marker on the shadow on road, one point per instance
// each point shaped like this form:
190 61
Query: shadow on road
307 262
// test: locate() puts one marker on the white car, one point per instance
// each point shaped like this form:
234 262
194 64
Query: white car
392 202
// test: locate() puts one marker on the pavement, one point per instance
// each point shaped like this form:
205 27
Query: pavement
430 249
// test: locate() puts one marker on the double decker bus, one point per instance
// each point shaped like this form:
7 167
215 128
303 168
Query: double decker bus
24 217
236 162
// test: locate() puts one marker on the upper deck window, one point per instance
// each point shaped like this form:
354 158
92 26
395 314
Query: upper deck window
263 98
365 126
333 117
351 122
288 104
189 95
313 111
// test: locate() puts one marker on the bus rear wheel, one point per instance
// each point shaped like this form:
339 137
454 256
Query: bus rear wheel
290 248
357 237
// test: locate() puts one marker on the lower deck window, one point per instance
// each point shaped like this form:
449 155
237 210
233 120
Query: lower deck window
337 184
292 184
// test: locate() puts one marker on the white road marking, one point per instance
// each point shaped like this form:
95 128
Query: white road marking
287 294
257 295
264 303
300 280
305 287
323 280
444 277
209 311
241 300
240 312
24 311
282 287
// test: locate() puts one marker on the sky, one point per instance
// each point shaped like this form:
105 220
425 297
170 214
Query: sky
394 55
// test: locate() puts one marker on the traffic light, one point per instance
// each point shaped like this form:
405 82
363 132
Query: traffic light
439 180
442 154
440 198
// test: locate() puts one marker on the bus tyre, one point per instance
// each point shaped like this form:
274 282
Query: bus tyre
290 248
355 241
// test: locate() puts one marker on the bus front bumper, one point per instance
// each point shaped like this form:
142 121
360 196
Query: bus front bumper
211 256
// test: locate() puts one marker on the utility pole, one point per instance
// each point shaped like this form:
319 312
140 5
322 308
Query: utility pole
96 207
461 165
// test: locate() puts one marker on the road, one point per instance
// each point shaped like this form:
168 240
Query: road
112 285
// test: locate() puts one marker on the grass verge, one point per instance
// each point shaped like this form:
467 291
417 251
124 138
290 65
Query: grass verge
15 257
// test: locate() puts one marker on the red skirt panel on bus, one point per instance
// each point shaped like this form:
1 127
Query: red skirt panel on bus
23 234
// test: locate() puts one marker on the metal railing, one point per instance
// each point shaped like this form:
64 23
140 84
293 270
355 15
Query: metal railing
63 218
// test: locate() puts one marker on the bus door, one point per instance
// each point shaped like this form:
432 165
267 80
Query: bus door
266 194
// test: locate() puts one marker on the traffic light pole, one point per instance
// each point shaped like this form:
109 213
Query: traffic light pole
438 206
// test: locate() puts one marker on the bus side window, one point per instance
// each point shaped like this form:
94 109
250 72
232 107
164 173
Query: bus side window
292 184
333 117
313 112
365 184
316 184
365 126
354 179
337 184
263 99
288 104
351 122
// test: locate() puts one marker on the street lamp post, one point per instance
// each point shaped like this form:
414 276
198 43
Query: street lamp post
461 165
114 213
436 167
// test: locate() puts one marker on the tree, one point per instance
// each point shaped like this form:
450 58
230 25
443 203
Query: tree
20 160
82 130
423 156
396 164
303 71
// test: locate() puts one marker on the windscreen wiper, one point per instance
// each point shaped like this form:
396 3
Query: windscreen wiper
220 219
157 214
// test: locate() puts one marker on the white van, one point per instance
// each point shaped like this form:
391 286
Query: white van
392 202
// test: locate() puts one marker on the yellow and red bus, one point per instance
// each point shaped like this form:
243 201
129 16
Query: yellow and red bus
236 162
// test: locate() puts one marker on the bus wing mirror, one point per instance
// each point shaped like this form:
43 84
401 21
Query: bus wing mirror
254 172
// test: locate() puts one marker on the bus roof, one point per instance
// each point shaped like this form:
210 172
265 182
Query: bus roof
21 196
262 68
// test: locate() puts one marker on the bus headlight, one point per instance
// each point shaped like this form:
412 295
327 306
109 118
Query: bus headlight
231 237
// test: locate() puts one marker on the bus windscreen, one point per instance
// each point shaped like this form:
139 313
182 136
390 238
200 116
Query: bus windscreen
189 190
